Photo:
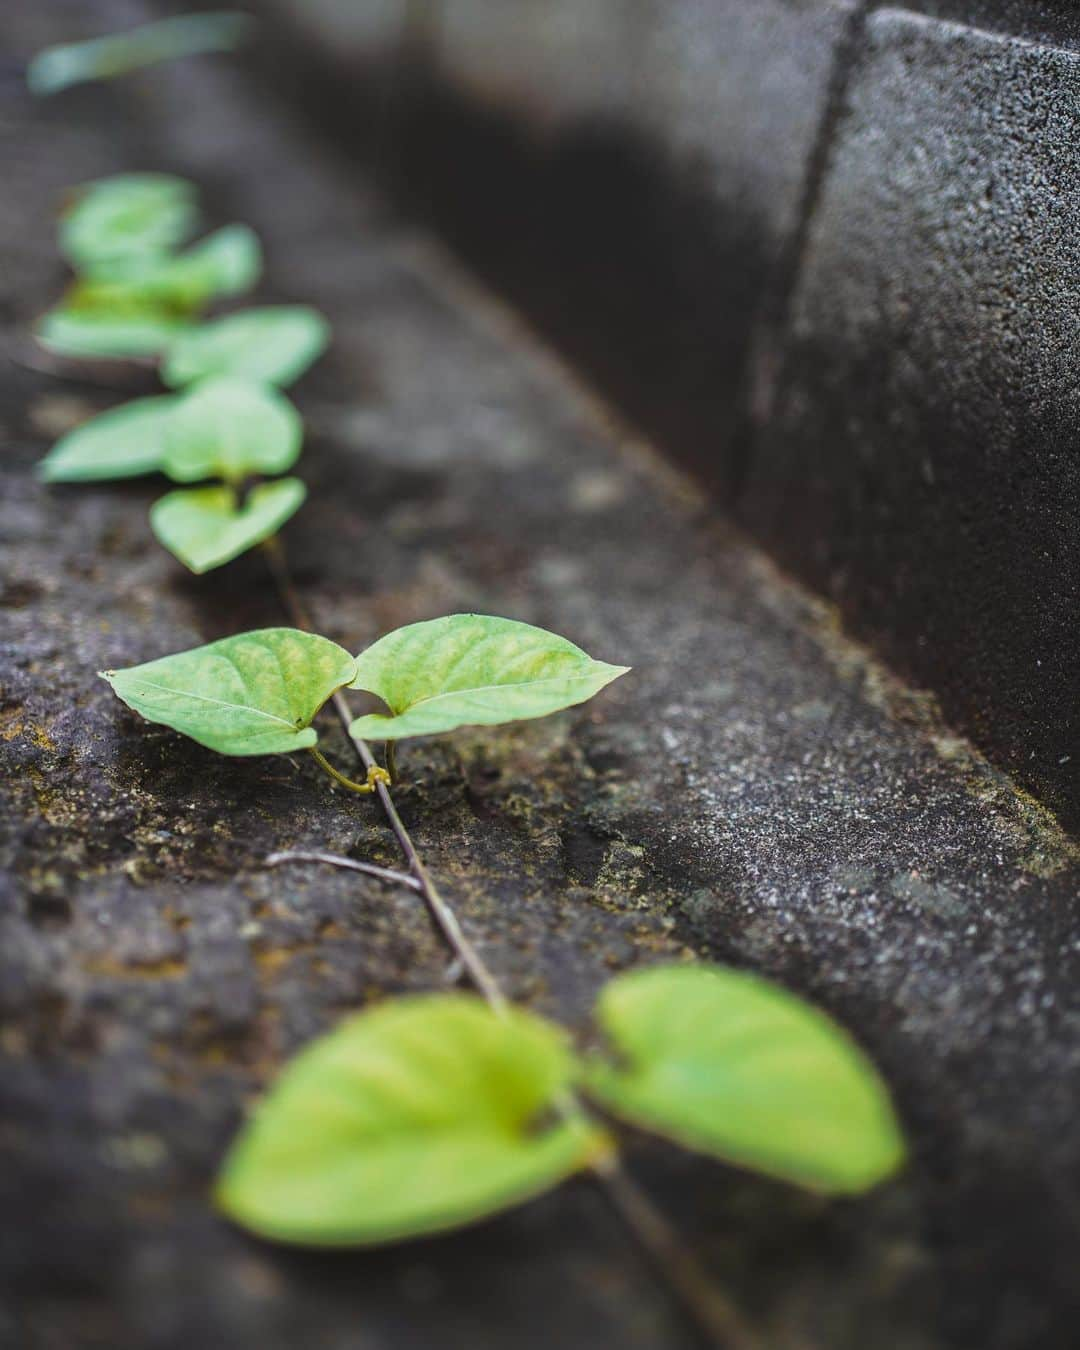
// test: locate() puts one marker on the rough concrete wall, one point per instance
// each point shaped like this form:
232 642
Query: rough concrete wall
825 252
758 791
919 462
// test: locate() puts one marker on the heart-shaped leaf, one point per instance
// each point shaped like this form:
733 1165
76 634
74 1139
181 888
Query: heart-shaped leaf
420 1115
254 694
127 218
274 344
121 443
89 333
726 1063
103 58
470 669
227 262
232 429
205 527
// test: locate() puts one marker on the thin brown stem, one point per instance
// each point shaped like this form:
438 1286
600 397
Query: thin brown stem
350 864
676 1266
444 917
712 1312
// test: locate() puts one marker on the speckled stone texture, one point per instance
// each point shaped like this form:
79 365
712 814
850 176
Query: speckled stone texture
823 253
758 791
920 464
1052 21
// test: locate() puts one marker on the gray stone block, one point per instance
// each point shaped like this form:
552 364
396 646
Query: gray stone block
1053 21
921 466
630 174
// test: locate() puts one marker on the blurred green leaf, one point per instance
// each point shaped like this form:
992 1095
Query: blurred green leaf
729 1064
420 1115
232 429
471 669
205 527
254 694
121 443
90 335
103 58
129 217
274 344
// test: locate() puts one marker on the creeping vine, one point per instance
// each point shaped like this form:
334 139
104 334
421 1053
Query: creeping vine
423 1113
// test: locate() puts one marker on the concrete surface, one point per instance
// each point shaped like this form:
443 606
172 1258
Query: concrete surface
812 248
759 791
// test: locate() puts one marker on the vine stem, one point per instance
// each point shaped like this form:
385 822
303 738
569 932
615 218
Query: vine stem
707 1306
351 864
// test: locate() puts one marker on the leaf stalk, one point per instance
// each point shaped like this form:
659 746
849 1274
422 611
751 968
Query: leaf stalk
375 774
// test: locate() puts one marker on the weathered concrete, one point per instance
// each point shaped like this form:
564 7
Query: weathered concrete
662 186
605 165
919 465
757 790
1051 21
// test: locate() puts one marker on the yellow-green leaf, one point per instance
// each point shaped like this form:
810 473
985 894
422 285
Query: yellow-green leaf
420 1115
470 669
205 527
729 1064
121 443
254 694
274 344
233 429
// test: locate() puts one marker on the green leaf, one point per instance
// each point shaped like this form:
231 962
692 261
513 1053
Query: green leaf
128 217
121 443
420 1115
254 694
227 262
205 528
92 334
103 58
274 344
469 669
729 1064
232 429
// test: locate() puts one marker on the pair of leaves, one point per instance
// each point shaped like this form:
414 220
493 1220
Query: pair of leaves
227 262
430 1112
135 306
467 669
104 58
273 344
136 297
224 427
